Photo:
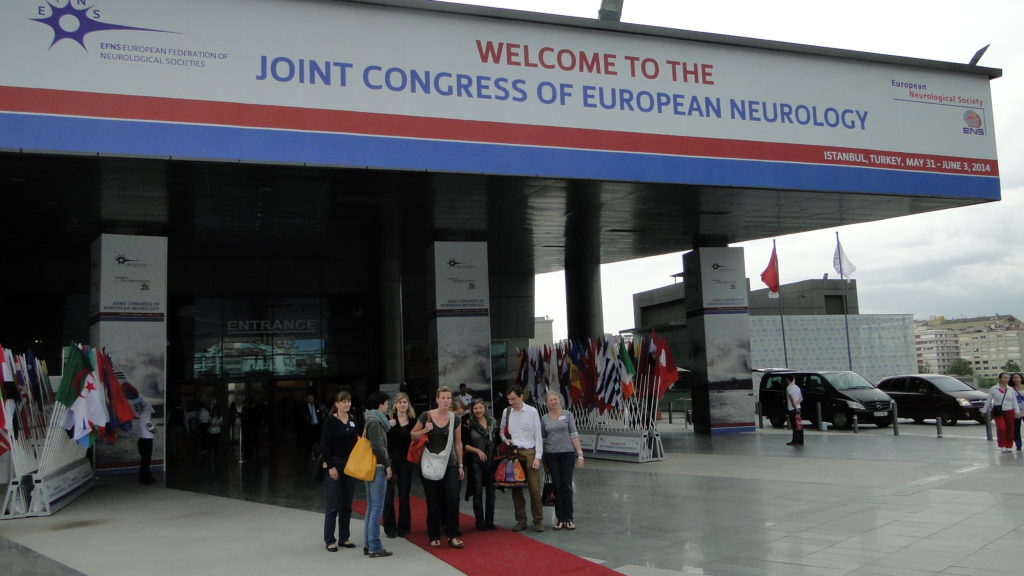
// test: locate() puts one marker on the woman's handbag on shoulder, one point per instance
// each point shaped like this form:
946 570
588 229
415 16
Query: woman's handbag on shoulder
433 466
362 462
416 449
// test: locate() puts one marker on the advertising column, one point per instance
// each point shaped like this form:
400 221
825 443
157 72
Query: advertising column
460 319
128 306
718 330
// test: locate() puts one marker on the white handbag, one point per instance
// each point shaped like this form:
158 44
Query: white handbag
433 466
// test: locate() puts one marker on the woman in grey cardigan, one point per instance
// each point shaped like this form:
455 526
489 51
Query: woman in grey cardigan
562 454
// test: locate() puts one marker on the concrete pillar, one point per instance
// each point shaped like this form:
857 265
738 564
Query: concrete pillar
718 332
392 333
583 303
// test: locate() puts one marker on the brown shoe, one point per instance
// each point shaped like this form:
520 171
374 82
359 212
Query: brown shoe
519 527
382 553
538 526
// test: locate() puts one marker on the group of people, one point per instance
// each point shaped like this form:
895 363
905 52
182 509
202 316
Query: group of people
1005 406
465 442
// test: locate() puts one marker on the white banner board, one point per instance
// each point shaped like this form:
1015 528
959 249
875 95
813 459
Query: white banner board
348 84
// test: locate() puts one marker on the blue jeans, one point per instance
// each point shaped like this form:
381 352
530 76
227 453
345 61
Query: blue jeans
374 508
338 507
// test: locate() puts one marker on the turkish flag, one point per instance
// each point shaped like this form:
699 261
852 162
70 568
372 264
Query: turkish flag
770 276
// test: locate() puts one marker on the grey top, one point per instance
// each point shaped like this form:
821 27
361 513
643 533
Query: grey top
558 433
378 438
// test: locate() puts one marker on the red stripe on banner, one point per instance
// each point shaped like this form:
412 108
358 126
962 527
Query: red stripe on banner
149 108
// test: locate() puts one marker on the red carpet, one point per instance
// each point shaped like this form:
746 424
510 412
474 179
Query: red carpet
500 552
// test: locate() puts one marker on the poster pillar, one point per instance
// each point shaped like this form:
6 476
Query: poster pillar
460 322
128 319
718 331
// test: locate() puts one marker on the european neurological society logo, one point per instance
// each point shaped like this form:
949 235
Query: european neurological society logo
74 20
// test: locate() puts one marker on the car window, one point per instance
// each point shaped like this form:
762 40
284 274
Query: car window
919 386
773 383
893 385
813 383
848 380
950 384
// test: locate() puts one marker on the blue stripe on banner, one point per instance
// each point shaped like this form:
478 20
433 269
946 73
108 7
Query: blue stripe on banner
221 143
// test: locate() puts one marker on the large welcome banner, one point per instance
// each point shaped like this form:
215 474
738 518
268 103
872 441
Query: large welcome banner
129 322
461 321
424 87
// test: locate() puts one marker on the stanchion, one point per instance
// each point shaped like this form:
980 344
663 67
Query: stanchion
670 411
988 426
895 419
241 446
760 417
856 424
938 425
817 408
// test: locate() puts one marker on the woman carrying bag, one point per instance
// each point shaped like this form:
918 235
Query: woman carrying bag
1001 406
377 426
441 468
339 435
562 454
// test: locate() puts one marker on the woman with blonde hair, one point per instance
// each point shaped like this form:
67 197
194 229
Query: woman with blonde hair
562 454
443 435
403 418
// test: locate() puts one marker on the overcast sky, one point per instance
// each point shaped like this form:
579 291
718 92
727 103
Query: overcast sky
959 262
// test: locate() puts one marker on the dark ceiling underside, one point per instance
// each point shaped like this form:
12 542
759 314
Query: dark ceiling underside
54 203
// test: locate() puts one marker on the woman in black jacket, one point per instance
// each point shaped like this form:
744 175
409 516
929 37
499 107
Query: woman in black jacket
403 418
336 441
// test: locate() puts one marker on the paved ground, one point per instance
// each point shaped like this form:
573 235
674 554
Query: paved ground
848 504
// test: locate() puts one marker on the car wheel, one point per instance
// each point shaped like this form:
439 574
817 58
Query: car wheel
841 420
948 419
777 421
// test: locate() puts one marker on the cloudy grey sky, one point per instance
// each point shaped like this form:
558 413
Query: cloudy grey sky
961 262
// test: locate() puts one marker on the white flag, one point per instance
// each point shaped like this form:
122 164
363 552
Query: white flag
841 263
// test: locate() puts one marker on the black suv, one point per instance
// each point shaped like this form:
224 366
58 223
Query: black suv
841 395
921 396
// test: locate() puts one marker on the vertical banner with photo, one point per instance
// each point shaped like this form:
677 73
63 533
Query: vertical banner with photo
461 321
128 308
718 329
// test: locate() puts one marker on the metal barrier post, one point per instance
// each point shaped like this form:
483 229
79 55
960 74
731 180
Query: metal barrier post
760 417
856 424
988 426
817 408
895 419
938 425
669 411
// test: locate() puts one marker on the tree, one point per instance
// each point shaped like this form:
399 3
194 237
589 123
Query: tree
961 367
1011 366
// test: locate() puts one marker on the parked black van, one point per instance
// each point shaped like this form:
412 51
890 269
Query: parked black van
840 393
921 396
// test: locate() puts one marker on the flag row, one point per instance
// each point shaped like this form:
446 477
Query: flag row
598 375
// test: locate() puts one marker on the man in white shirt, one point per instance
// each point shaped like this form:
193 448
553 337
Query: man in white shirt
524 432
465 396
794 397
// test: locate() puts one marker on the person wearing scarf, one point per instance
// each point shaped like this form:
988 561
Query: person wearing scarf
377 426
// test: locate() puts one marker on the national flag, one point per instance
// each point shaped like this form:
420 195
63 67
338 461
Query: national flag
5 432
121 413
665 368
628 371
81 393
841 263
608 391
770 276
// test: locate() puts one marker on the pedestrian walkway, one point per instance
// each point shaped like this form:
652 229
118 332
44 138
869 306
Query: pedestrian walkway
843 505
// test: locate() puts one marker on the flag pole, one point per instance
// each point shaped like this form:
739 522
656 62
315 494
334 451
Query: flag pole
846 316
782 318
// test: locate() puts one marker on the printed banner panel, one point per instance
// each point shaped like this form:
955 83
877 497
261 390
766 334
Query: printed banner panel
348 84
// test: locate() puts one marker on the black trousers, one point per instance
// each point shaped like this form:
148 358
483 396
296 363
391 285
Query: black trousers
798 435
145 458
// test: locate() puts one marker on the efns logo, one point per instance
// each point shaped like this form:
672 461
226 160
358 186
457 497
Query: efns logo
75 19
973 121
